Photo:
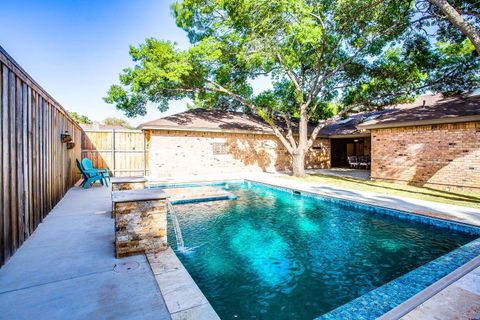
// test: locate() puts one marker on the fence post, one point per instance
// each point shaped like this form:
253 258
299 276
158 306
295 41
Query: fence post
144 154
113 151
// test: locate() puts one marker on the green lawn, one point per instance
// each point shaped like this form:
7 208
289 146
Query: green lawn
460 198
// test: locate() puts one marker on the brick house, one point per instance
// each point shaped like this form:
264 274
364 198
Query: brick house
203 141
433 141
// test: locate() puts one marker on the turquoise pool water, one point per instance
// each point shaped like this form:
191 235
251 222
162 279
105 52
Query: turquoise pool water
271 254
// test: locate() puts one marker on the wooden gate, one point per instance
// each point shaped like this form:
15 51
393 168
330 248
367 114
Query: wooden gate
123 152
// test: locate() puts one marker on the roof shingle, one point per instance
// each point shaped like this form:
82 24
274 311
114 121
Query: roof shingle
424 108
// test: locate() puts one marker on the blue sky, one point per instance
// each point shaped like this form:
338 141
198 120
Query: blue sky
76 49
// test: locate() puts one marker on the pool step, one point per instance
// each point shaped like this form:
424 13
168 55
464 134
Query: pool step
197 194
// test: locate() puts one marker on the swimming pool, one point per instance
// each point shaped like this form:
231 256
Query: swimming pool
273 254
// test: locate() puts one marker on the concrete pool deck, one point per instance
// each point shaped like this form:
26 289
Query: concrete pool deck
67 268
460 300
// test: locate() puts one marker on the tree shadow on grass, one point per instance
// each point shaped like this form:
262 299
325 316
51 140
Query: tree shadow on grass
438 193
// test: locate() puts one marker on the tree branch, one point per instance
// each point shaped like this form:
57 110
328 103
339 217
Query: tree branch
289 142
458 21
290 74
289 135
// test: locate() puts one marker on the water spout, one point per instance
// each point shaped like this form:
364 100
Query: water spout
176 227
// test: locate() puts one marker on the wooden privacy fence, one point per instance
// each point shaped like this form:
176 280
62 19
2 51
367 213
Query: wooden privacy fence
123 152
36 167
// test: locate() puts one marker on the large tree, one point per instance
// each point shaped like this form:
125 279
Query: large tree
315 53
80 119
112 121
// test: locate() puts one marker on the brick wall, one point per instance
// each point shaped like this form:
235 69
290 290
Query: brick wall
173 153
443 155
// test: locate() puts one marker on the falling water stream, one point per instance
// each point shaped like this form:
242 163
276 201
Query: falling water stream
176 227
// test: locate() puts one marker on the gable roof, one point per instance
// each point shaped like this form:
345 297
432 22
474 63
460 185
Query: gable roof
425 109
210 120
429 109
348 126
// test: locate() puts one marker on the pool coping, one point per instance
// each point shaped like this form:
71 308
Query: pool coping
400 308
423 296
182 296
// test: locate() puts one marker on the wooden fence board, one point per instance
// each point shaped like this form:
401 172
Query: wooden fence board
2 103
19 161
6 163
13 156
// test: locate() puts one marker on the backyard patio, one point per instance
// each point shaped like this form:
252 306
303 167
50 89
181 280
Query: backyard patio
67 267
274 160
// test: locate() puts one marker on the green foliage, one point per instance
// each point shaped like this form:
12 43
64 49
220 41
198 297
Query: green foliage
112 121
322 56
79 118
458 67
305 47
417 66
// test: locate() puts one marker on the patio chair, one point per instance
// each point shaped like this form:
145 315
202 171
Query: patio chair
352 161
364 161
89 176
88 166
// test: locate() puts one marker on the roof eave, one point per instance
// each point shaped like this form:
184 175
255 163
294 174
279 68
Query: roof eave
399 124
173 128
350 135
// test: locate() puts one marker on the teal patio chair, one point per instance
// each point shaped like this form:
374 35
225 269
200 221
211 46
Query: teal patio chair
88 166
89 176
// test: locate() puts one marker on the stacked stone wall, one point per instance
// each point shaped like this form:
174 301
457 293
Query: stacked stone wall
140 227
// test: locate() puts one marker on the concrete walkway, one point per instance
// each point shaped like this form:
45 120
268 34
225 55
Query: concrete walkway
67 268
422 207
342 172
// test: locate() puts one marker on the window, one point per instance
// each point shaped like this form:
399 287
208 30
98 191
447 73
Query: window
219 148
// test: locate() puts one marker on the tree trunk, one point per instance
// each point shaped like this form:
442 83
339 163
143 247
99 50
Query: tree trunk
298 155
298 165
458 21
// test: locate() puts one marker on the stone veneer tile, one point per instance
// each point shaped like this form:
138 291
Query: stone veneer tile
140 223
